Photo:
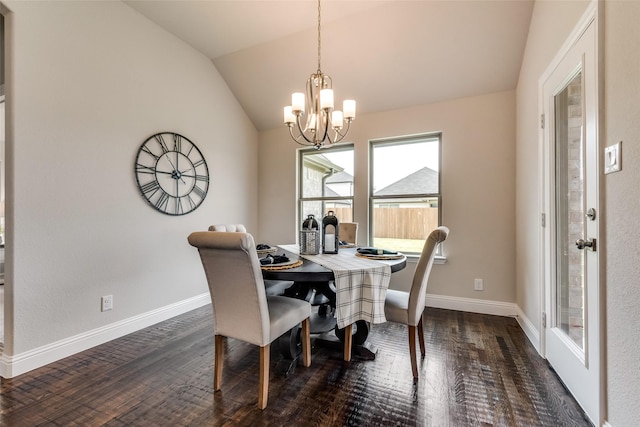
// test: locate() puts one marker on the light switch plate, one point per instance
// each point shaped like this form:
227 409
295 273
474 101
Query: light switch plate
612 158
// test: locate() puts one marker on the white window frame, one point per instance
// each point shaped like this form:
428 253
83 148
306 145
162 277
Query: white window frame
324 199
409 139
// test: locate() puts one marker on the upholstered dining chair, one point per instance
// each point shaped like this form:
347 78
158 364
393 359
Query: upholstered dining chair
408 307
241 308
348 232
273 287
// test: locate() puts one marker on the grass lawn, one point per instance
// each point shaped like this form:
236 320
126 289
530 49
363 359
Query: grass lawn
402 245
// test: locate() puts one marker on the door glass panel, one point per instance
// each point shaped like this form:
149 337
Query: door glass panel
570 218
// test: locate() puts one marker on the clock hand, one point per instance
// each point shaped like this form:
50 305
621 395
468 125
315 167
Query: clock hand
175 169
184 172
170 162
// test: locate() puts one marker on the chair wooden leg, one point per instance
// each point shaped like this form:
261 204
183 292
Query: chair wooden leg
421 337
412 351
217 362
263 391
306 342
348 339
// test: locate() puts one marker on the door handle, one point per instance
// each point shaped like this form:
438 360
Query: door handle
589 243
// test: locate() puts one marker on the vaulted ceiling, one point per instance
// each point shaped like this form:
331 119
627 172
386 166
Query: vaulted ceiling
386 55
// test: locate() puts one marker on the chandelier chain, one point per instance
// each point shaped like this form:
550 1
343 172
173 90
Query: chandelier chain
319 38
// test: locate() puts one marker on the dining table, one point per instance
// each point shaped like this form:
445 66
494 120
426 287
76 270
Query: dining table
348 290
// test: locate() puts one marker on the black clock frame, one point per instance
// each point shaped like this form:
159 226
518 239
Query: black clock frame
171 173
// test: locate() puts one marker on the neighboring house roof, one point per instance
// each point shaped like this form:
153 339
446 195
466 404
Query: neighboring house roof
328 192
339 177
336 183
320 163
423 181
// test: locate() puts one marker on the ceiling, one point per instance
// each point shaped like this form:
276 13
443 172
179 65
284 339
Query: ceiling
386 55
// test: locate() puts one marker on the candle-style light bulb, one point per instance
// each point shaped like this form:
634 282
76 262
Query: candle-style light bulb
297 102
289 117
349 108
336 119
326 98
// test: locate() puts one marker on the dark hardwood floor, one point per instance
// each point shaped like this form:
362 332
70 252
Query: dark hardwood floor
480 370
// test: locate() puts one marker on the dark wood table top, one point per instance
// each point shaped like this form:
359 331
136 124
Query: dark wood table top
310 271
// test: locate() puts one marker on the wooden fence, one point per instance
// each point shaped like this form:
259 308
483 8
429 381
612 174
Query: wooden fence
399 223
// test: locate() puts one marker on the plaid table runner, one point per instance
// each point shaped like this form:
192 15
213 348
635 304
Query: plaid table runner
361 285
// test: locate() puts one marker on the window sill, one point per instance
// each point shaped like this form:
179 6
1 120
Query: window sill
439 259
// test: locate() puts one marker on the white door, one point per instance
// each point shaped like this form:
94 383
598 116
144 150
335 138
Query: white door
571 321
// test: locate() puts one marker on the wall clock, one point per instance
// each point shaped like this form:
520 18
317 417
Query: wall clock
171 173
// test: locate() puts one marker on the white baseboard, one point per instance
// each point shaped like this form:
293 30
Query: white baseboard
472 305
529 329
12 366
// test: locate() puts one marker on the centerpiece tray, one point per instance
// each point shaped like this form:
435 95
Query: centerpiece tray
381 256
266 251
282 265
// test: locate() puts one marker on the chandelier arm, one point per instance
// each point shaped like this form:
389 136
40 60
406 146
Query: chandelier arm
297 138
336 139
337 134
302 133
326 126
342 135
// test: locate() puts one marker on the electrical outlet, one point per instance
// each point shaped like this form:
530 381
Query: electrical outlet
107 302
478 284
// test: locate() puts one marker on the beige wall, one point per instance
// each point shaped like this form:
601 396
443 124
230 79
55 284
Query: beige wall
478 181
621 209
82 94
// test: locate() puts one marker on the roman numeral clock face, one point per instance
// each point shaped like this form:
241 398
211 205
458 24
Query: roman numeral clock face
171 173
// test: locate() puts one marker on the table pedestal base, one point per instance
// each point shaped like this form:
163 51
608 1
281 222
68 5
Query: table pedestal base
364 351
286 366
328 336
323 323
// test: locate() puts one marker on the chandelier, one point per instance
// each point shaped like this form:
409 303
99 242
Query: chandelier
322 124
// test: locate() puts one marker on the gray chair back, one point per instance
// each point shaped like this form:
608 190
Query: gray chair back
418 292
235 282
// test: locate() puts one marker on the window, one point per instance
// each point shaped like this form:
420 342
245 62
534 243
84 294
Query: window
326 183
404 194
